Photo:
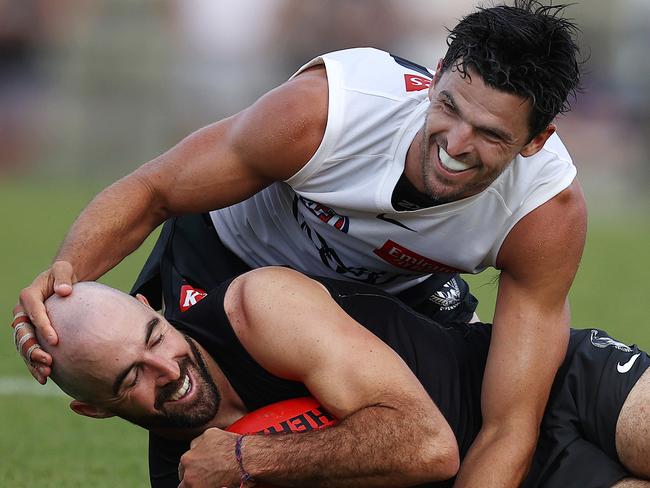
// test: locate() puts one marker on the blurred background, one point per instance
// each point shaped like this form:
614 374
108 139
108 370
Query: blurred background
90 89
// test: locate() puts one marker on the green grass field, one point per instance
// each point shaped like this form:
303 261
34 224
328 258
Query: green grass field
44 444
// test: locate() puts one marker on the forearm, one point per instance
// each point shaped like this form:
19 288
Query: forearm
374 447
112 226
499 457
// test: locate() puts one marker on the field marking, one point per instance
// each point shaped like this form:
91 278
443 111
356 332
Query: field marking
16 385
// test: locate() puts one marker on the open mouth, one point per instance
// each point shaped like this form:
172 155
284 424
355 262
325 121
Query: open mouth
183 390
450 164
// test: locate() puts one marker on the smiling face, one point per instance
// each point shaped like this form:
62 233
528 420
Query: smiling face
164 385
470 134
119 357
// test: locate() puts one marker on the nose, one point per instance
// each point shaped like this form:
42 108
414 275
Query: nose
459 139
165 369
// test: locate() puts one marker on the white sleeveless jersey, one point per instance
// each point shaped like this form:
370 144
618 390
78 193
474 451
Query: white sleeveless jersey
334 217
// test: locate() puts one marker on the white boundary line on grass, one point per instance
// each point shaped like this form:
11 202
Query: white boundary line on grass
17 385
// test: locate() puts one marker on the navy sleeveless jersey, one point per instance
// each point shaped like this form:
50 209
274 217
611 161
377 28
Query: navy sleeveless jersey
448 360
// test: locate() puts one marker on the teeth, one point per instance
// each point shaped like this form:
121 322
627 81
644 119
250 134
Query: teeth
182 391
451 163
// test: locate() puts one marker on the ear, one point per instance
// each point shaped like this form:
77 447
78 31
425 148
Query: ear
438 73
538 141
143 299
436 76
88 410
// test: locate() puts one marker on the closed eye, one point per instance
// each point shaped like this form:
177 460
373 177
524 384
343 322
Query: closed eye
159 339
492 136
135 378
448 107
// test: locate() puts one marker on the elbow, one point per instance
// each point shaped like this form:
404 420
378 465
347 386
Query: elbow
448 463
449 459
439 456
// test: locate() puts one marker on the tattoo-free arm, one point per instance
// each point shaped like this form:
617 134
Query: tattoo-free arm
216 166
539 260
391 434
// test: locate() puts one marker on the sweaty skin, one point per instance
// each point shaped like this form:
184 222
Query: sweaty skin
475 125
388 420
135 370
485 129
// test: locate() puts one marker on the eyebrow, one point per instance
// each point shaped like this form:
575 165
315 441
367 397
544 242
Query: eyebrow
495 131
151 325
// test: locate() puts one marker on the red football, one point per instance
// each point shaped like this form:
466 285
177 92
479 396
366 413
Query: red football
294 415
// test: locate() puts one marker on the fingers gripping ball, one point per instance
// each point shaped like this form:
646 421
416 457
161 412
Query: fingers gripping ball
294 415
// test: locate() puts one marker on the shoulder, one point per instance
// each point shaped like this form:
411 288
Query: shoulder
281 131
269 290
374 72
553 232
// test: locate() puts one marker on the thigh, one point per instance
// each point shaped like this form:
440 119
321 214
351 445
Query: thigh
633 428
632 483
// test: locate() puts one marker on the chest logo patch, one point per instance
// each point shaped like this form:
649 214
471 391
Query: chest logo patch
327 215
401 257
416 82
190 296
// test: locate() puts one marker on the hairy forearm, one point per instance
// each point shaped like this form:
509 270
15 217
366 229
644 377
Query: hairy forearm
374 447
112 226
498 458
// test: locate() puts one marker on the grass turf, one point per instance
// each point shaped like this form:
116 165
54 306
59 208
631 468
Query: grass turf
44 443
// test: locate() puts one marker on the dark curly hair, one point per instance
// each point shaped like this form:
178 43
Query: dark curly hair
527 49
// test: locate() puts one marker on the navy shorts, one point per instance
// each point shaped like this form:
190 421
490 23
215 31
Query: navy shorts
577 444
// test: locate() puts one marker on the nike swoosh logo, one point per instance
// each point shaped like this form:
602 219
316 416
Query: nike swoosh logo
383 217
624 368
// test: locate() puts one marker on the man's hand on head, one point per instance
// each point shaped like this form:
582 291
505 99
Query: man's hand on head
26 343
56 279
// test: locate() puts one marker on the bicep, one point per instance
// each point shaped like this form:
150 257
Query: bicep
230 160
342 364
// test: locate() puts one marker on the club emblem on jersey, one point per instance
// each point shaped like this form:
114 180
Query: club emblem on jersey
327 215
190 296
448 297
401 257
603 342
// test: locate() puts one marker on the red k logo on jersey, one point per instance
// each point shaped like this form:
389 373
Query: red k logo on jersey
404 258
416 82
190 296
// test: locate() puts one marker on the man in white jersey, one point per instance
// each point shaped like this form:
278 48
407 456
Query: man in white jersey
367 167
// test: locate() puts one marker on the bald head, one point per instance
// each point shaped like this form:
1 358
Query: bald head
94 319
116 356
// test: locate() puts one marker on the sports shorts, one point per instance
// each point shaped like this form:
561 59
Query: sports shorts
577 444
189 259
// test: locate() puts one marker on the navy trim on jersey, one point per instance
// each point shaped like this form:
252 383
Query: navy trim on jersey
411 65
